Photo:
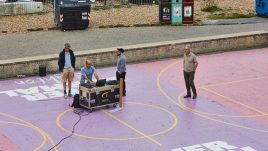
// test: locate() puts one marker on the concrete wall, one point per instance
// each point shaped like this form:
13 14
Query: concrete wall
16 8
136 53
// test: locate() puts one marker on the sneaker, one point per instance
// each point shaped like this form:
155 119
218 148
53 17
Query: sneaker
194 97
65 96
70 95
187 96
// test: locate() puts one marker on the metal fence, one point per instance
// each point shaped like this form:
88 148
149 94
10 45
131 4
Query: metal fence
17 7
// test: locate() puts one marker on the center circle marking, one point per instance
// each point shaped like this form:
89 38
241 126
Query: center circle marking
175 121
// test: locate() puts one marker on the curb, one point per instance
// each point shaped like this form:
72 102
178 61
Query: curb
136 53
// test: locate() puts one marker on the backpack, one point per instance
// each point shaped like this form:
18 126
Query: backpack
76 103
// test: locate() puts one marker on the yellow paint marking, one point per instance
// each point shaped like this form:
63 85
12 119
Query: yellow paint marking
182 106
34 127
233 82
131 127
20 124
175 121
234 101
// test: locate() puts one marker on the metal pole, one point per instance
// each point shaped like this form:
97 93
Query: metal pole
54 12
121 93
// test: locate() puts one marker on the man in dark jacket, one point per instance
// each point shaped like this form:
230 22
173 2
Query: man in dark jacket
66 64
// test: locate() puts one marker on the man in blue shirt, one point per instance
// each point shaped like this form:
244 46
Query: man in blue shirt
87 72
66 64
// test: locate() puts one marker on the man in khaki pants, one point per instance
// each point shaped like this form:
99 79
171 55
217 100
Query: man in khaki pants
66 64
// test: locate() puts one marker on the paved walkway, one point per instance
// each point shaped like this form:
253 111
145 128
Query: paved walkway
252 20
230 112
41 43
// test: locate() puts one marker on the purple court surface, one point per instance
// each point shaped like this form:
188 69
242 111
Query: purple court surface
229 114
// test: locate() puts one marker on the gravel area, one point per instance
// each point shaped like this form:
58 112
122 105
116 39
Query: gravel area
143 14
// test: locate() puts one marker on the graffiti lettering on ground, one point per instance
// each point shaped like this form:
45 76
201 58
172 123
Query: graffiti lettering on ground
214 146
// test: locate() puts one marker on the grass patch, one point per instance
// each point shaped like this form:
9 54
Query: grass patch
237 15
211 9
197 22
141 25
135 25
114 26
120 25
147 25
107 26
230 16
97 8
117 6
155 24
176 25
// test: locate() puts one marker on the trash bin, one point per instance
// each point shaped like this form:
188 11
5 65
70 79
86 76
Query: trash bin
262 7
72 14
176 10
188 12
165 12
42 70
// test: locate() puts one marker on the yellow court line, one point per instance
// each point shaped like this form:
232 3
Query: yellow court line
175 121
20 124
33 126
220 121
219 115
158 81
251 108
235 101
131 127
233 82
182 106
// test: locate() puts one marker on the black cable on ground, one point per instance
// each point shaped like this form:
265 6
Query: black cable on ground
79 113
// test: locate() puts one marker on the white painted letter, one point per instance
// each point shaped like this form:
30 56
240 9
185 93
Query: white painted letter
218 146
248 149
194 148
34 97
9 93
177 149
19 82
54 94
29 91
53 88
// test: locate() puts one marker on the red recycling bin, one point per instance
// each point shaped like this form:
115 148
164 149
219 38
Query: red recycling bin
188 12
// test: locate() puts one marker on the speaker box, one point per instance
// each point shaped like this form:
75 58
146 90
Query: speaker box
42 70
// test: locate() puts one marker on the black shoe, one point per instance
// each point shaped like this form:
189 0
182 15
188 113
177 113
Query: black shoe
187 96
194 97
124 94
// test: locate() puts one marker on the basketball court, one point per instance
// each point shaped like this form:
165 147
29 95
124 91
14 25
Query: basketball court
229 114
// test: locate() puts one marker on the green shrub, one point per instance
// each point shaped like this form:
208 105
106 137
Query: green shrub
97 8
209 6
230 16
211 9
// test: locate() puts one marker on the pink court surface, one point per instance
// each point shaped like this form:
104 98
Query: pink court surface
229 114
